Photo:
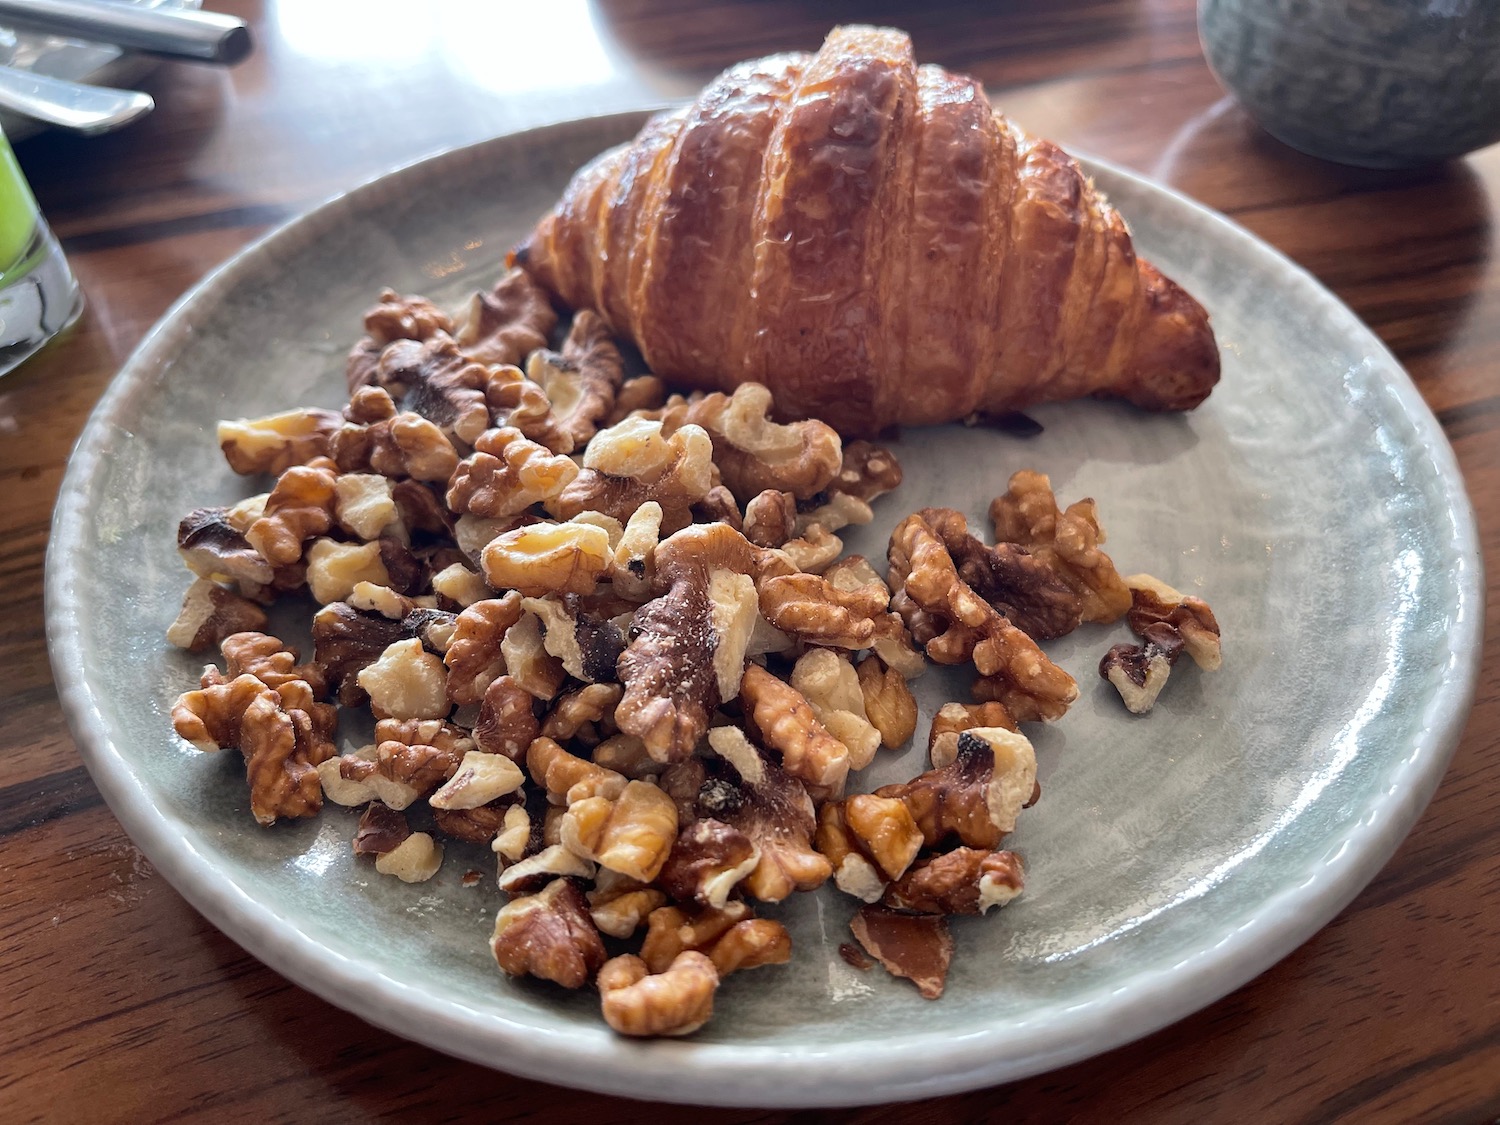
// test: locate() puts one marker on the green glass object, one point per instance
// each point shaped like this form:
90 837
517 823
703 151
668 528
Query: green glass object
38 294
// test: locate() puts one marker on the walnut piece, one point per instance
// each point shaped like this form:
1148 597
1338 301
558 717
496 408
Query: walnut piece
582 381
890 706
215 549
885 831
548 935
363 504
813 610
831 687
300 507
415 860
209 614
503 325
474 659
772 809
770 518
334 569
1067 541
867 471
787 724
730 936
607 483
507 723
581 714
752 452
534 872
1154 601
707 861
381 829
588 648
480 779
854 873
268 660
954 718
406 682
548 558
567 778
346 641
633 569
619 905
963 881
1139 672
918 947
506 474
631 833
676 1002
276 442
978 796
527 660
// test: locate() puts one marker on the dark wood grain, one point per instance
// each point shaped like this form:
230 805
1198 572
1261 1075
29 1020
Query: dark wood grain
120 1004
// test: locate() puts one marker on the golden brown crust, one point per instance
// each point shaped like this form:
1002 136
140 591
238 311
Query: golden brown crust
875 244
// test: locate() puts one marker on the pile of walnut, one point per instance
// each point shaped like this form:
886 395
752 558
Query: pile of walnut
608 632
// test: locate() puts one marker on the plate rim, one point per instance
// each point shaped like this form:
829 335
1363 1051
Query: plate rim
728 1073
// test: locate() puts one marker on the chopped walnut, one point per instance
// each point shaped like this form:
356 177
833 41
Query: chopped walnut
300 507
633 569
282 733
502 326
479 825
381 829
215 549
513 841
527 660
567 778
209 614
961 626
406 682
631 833
580 714
787 724
548 935
890 706
480 779
588 648
770 518
1139 672
814 610
346 641
268 660
963 881
729 936
646 393
814 550
854 873
1154 601
831 687
582 381
1067 541
752 452
634 448
684 479
619 904
334 569
395 317
867 471
1028 590
771 808
885 830
402 445
706 863
977 797
547 558
676 1002
836 511
363 504
409 759
415 860
953 719
473 659
506 722
460 585
534 872
918 947
277 442
506 474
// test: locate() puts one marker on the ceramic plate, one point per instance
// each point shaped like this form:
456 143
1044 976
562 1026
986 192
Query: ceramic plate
1313 501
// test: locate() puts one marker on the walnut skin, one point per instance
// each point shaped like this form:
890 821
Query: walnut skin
548 935
676 1002
915 946
502 326
1066 541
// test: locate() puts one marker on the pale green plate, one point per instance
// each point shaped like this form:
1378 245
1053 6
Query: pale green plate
1313 501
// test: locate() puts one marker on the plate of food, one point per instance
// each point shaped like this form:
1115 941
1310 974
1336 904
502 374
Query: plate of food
803 608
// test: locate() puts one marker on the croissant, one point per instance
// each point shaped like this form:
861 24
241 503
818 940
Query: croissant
874 243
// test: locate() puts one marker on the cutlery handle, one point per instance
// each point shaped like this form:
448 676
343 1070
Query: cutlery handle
176 32
71 105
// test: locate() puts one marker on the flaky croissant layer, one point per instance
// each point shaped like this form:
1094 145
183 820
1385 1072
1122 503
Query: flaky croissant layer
873 242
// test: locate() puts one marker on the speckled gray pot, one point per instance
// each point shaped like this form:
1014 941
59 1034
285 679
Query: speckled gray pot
1313 500
1377 83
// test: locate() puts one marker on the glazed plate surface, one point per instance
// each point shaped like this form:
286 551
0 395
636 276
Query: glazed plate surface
1312 501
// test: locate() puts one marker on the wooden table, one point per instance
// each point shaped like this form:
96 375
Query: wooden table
120 1004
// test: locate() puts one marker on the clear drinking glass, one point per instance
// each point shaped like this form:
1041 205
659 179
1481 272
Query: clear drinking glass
38 294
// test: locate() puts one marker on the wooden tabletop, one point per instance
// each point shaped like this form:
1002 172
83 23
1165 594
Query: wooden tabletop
118 1003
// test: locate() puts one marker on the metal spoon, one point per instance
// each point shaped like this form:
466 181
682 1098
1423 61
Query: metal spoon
71 105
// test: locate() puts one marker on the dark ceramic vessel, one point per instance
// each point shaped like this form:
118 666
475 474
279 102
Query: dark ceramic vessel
1377 83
